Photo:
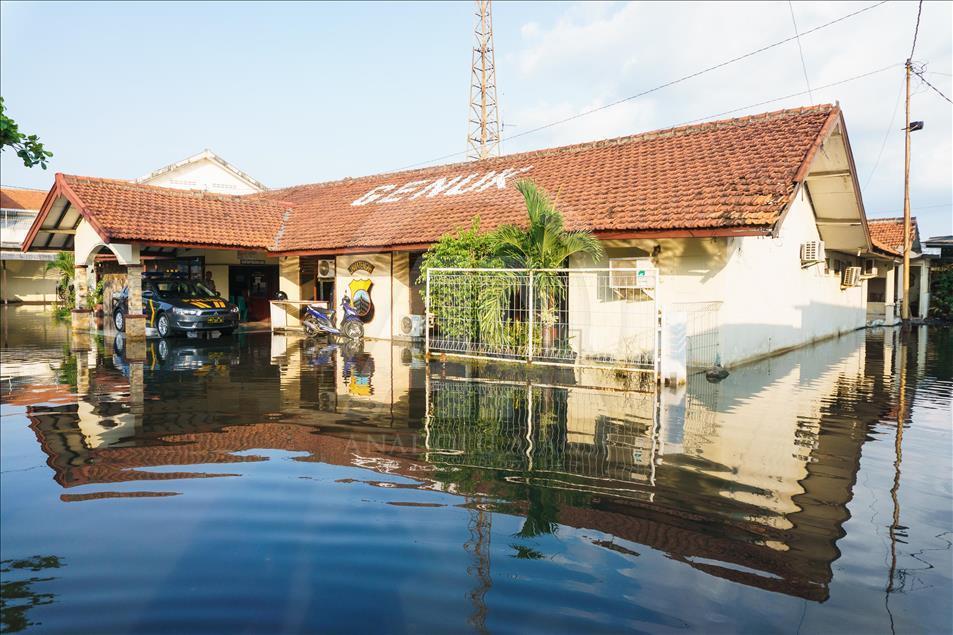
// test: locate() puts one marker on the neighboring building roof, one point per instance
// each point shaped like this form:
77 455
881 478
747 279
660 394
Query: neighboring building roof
887 234
728 177
205 155
21 198
939 241
121 211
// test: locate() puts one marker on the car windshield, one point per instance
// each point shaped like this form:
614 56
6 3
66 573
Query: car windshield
183 289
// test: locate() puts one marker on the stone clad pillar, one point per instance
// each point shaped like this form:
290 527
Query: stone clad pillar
135 320
80 319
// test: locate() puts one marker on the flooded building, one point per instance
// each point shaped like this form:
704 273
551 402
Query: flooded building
24 276
755 226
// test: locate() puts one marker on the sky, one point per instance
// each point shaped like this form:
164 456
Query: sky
296 93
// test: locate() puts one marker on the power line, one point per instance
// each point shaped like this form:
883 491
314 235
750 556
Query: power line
924 79
916 30
883 144
913 209
801 51
803 92
664 85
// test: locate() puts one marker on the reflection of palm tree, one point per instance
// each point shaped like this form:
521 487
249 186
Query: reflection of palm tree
18 596
542 515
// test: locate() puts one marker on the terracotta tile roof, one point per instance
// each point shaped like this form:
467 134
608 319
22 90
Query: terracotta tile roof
887 234
20 198
733 175
124 211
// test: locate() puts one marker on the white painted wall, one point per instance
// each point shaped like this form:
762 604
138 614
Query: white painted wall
771 303
203 174
381 325
768 302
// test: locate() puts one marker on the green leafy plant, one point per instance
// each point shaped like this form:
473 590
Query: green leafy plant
941 297
27 147
95 295
64 265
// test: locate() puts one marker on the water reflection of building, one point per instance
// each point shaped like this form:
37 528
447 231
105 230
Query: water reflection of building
747 480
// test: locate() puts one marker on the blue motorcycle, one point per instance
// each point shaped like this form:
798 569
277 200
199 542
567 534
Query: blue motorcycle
320 321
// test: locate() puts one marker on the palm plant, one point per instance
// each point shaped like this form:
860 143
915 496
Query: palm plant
64 264
545 244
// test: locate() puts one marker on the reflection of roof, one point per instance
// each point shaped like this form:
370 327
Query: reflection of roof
887 234
732 177
21 198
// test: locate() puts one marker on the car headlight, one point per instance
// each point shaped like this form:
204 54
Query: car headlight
234 309
186 311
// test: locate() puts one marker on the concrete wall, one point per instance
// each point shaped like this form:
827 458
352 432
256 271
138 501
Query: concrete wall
381 324
768 301
24 281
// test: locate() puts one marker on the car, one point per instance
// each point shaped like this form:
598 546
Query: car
174 305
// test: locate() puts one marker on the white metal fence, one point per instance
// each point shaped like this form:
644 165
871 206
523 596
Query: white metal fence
566 317
701 342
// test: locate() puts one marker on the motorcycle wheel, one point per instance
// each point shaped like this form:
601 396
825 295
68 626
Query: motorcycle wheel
353 330
310 328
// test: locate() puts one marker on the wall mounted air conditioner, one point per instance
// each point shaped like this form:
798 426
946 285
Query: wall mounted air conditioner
412 325
850 277
632 273
812 251
325 268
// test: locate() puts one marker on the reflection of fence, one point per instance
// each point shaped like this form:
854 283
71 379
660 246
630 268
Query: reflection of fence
702 349
581 317
567 435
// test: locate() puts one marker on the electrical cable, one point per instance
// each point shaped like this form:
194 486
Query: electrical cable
801 51
883 144
660 86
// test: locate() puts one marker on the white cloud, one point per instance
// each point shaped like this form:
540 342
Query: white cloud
612 51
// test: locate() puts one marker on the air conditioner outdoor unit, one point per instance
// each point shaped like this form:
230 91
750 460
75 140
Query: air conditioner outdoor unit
812 251
325 268
632 273
850 277
412 325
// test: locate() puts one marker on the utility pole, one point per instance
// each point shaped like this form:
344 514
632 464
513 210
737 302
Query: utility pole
905 304
483 135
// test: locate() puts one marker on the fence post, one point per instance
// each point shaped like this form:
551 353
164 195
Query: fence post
427 318
532 317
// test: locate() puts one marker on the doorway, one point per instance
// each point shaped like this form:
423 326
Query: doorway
252 287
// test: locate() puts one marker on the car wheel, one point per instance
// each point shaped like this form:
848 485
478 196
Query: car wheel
120 321
164 326
353 329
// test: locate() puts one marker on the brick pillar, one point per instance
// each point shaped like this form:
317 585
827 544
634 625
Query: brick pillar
81 317
135 320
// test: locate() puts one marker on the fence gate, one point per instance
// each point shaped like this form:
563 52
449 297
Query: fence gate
600 318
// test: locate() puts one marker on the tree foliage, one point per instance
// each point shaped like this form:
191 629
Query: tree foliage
27 147
480 307
941 299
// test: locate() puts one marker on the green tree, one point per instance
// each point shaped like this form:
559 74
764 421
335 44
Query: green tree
64 264
27 147
544 244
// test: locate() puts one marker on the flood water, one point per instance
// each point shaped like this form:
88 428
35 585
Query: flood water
261 484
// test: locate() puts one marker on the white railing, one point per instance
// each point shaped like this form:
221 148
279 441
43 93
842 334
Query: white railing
564 317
